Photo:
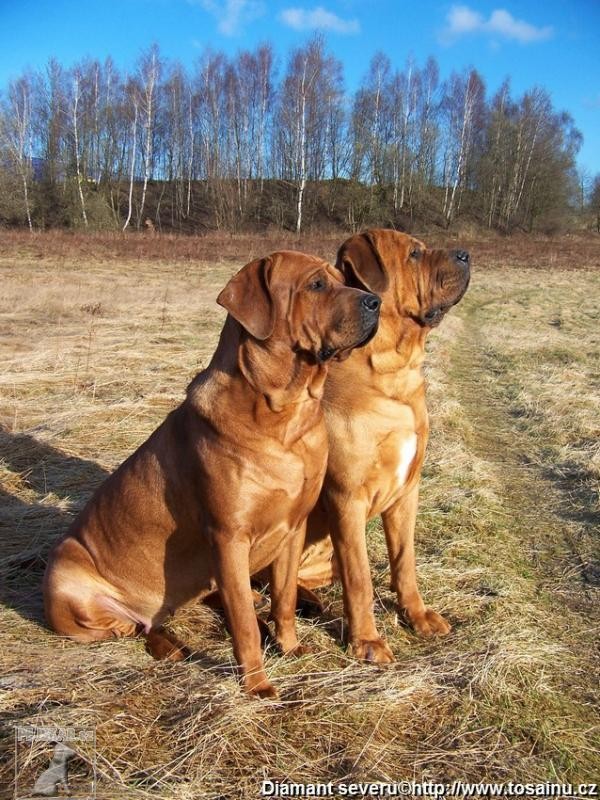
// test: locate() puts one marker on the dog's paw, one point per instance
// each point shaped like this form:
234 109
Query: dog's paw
165 646
177 653
428 623
375 651
288 645
258 685
265 692
299 650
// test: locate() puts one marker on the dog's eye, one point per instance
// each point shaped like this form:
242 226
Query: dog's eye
415 254
317 285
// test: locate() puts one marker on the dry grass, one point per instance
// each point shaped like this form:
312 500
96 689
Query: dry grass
58 247
98 340
61 246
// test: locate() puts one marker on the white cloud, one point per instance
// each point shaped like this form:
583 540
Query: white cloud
232 14
301 19
505 24
463 20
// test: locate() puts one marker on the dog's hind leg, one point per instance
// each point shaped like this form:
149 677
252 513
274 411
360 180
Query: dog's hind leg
89 619
162 644
80 604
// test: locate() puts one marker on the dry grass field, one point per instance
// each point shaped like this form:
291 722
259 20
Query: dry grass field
98 339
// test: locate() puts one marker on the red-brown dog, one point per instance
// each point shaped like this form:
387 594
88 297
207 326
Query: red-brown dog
223 487
377 426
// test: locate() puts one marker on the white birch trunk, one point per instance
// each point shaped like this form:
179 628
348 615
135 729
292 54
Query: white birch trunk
148 125
405 137
462 153
302 145
191 154
17 136
132 168
76 87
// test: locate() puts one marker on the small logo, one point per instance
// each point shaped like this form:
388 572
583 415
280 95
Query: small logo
55 762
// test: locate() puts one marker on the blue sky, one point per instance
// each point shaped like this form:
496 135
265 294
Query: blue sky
554 43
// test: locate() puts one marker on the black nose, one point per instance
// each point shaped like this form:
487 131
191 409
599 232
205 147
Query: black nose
461 255
371 302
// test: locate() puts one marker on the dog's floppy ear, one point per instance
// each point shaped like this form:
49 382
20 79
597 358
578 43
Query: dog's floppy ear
248 299
359 258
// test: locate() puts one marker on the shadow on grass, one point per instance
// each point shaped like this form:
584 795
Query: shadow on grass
29 529
580 506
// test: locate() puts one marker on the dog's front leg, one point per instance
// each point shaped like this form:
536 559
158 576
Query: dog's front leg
232 567
347 521
284 593
399 526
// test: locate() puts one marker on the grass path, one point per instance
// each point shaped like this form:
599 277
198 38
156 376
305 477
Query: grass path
546 539
541 511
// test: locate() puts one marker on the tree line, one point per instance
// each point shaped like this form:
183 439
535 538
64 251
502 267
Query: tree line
239 143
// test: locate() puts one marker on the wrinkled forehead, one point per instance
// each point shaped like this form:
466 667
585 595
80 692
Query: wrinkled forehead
409 243
294 269
392 245
417 244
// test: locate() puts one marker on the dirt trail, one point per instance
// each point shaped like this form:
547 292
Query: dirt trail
558 538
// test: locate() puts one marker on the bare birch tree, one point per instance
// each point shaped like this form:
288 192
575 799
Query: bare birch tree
132 95
75 121
149 76
15 129
464 104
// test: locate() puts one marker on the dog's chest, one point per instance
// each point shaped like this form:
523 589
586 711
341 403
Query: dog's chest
406 452
295 478
393 468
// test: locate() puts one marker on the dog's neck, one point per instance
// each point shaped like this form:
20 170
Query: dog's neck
391 364
280 375
399 345
263 377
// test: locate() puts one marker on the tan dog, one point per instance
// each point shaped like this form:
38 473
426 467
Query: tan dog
223 487
377 425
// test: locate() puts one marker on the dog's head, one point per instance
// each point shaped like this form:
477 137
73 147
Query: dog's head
301 299
418 283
